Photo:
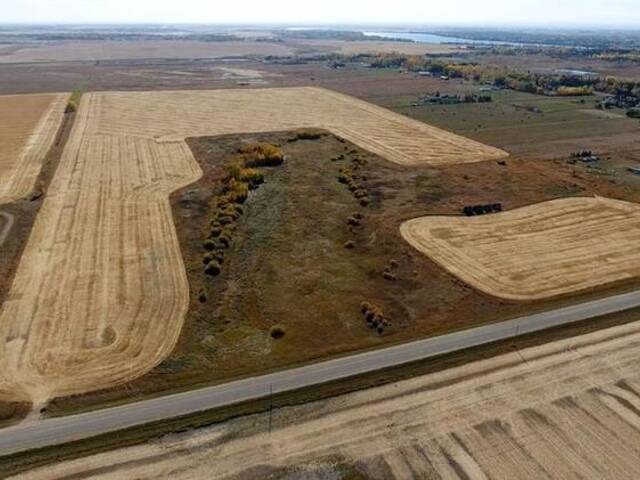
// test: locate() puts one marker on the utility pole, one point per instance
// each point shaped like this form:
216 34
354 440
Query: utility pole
270 406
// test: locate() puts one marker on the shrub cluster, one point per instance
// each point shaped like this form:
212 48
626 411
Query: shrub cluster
349 245
471 210
308 134
355 220
388 273
374 317
74 102
582 154
260 155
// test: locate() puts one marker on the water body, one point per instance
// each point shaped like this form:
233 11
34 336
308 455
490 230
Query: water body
579 73
439 39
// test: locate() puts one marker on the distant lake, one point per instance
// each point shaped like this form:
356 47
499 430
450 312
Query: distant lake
579 73
431 38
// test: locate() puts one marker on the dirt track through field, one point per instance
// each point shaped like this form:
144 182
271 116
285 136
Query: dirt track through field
101 290
567 409
539 251
28 126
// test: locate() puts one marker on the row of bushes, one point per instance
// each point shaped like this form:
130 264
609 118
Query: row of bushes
352 177
471 210
241 177
582 154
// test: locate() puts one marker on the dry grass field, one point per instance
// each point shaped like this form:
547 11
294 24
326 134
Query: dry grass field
538 251
101 291
28 126
567 409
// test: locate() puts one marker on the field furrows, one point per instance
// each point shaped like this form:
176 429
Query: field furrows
538 251
101 289
28 127
567 409
176 115
101 292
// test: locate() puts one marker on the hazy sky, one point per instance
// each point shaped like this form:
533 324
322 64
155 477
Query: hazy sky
516 12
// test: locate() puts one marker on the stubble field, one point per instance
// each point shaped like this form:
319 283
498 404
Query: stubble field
567 409
28 125
535 252
101 292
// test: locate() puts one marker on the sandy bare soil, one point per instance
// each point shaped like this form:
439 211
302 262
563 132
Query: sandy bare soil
538 251
567 409
88 50
28 126
101 291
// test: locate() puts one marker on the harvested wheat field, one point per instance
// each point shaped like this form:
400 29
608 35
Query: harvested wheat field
172 116
566 409
538 251
101 292
28 126
89 50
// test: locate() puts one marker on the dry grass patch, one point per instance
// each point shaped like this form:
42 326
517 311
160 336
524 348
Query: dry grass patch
539 251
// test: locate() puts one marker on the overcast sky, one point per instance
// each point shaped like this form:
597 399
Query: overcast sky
478 12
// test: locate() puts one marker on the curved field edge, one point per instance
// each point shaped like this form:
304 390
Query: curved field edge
19 180
540 251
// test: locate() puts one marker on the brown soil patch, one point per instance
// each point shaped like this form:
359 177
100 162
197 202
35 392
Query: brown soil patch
28 126
539 251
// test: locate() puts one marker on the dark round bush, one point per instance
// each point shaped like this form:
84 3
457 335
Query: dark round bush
212 269
277 332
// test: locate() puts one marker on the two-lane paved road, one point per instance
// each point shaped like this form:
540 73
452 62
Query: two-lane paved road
64 429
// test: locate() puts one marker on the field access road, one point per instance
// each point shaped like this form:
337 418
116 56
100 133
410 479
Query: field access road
65 429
